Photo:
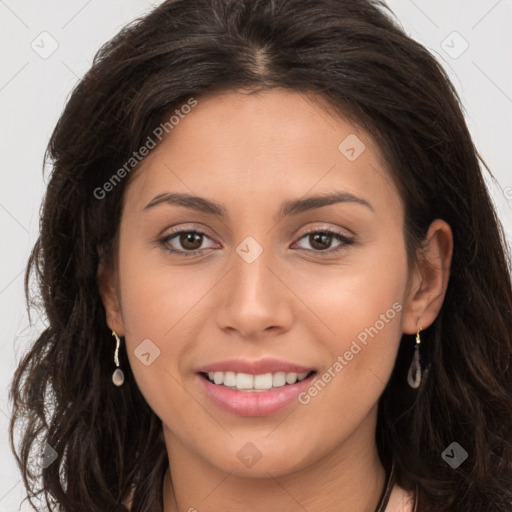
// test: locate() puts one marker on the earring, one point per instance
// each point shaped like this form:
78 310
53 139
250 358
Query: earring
118 375
414 374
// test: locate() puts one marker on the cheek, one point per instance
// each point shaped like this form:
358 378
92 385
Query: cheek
155 308
360 306
350 298
156 294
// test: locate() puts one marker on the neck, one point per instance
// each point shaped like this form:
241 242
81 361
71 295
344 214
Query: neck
350 478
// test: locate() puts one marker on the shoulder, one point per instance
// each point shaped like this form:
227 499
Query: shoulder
400 500
128 501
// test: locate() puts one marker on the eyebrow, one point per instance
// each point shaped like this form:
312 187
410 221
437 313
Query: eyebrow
288 208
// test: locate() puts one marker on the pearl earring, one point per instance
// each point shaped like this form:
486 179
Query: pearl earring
118 375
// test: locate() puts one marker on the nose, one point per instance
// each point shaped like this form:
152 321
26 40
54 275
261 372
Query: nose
255 301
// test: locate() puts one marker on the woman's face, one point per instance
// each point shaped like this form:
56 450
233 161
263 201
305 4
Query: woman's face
250 292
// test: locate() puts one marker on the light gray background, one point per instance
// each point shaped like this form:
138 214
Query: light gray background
33 91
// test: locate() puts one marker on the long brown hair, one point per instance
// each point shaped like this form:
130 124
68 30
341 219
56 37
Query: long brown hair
352 55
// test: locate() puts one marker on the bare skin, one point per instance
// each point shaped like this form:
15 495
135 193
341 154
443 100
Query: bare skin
295 301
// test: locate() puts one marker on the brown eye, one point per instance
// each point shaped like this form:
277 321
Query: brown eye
190 240
321 241
185 242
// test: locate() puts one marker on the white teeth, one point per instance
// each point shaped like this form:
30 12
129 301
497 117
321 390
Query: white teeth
263 381
248 382
244 381
291 378
279 379
230 379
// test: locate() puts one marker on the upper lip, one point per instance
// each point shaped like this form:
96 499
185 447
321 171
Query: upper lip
254 367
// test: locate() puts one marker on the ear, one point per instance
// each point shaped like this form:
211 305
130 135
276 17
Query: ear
430 279
108 287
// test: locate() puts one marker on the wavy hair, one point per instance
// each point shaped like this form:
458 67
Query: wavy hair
352 55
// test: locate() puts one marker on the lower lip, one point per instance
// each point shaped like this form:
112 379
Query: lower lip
254 403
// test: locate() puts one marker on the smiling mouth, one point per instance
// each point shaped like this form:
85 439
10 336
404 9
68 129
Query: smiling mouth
255 383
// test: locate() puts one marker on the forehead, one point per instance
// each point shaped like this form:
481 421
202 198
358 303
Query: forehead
260 143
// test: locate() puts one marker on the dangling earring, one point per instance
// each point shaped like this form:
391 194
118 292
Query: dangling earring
118 375
414 373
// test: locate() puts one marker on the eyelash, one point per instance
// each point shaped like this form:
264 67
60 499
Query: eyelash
346 241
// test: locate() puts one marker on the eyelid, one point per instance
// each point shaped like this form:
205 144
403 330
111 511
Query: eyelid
329 229
191 228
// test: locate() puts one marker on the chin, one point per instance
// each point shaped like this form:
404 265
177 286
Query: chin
260 458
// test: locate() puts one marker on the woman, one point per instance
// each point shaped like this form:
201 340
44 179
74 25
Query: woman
273 275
